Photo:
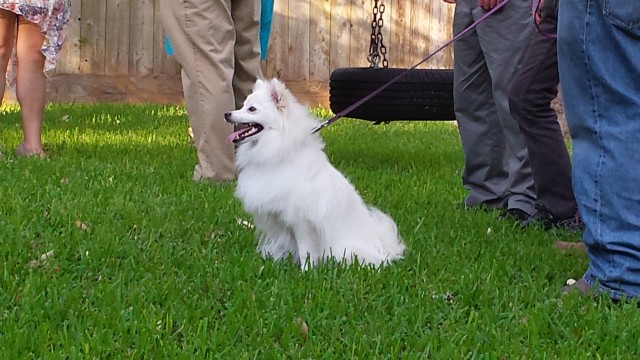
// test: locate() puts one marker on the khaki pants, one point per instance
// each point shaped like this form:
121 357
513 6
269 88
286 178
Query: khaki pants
216 42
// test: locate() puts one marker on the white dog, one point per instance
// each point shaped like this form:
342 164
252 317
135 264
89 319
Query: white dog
301 205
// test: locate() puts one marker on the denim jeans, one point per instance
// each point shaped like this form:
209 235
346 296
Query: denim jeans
599 63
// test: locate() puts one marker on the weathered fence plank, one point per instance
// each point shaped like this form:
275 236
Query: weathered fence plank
117 41
319 40
93 36
340 33
439 32
298 41
278 49
69 57
142 37
360 30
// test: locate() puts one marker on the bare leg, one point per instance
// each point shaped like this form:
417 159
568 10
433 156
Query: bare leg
7 30
30 87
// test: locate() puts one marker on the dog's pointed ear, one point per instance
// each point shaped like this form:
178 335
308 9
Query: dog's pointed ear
278 94
258 84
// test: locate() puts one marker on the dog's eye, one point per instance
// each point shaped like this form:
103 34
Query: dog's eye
252 109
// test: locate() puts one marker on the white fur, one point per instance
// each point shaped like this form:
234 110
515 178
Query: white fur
302 205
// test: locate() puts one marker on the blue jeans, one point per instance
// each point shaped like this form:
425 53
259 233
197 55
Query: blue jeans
599 63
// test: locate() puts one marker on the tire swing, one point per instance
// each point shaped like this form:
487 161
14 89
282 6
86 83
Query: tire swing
421 94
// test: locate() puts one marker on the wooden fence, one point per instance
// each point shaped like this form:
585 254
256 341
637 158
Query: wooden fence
116 46
311 38
115 37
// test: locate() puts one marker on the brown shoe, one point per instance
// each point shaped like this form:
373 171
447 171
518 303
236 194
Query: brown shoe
585 289
581 286
570 246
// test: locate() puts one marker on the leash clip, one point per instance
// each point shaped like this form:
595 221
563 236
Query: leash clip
323 125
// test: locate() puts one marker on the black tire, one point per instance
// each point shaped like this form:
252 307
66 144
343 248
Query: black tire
421 94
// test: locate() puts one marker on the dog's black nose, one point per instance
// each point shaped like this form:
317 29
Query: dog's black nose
227 115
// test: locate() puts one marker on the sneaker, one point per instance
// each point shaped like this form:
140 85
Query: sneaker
519 215
573 224
544 218
490 205
541 217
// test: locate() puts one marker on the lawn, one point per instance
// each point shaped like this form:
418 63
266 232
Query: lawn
109 250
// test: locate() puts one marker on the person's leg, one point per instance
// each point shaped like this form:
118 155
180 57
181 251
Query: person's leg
483 145
503 38
7 40
202 36
599 65
246 19
534 88
31 86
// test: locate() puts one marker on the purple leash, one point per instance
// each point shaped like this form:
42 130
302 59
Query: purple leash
386 85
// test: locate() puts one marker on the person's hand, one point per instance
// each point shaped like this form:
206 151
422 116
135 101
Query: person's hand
450 1
538 17
488 4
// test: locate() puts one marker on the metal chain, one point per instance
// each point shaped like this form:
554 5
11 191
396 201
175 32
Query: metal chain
377 49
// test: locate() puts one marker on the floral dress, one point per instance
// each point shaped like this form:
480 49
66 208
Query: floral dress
52 16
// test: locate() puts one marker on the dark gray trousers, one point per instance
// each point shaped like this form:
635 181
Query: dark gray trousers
534 87
496 172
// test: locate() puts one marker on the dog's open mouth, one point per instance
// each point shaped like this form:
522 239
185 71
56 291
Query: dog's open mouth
246 131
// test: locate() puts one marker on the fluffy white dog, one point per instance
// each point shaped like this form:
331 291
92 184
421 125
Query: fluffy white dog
301 205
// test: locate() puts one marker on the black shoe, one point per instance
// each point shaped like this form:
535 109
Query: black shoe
541 217
573 224
515 214
488 207
545 219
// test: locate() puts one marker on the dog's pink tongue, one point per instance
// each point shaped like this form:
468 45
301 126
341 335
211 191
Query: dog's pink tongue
235 134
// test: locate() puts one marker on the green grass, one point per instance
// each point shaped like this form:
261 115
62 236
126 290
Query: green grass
147 264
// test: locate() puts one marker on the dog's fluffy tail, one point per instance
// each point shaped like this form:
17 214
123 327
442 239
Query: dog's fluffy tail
392 245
